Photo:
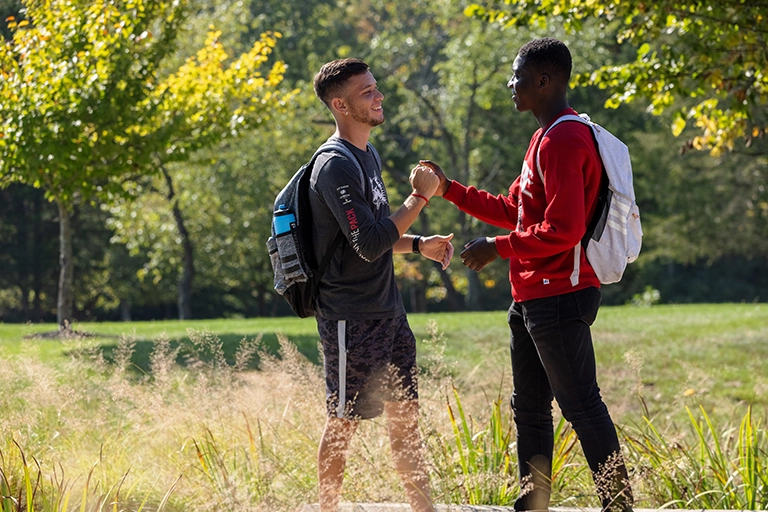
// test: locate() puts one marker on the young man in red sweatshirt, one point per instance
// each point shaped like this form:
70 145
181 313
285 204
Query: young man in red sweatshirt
555 290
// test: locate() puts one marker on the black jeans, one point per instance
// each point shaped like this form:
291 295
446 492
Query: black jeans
553 357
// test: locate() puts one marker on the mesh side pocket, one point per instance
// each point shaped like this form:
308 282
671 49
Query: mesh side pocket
289 257
277 268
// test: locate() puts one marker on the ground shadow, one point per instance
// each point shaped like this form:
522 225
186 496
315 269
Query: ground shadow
143 349
65 334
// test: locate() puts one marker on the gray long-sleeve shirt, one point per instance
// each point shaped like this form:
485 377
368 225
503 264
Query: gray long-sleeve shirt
359 283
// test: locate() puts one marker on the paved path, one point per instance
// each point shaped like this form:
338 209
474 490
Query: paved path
401 507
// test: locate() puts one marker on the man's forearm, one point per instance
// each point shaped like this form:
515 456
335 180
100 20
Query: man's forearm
407 214
404 245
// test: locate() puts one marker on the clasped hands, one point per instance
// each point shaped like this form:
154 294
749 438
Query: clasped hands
436 247
428 179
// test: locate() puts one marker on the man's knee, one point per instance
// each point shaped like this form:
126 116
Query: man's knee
402 409
337 434
584 407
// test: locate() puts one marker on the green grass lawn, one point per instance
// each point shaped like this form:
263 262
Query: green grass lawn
664 357
101 410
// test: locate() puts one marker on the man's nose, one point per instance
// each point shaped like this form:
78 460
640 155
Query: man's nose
510 84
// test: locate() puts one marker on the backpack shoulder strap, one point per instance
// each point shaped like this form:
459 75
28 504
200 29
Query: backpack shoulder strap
328 255
602 195
333 145
375 155
583 118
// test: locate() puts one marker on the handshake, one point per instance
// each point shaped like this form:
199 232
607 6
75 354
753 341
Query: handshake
428 179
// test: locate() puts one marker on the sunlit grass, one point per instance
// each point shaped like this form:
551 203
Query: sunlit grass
718 467
173 416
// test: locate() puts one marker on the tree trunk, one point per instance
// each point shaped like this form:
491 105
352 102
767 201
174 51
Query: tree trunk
472 299
474 289
125 310
455 300
64 306
37 267
260 304
417 291
25 252
188 274
184 288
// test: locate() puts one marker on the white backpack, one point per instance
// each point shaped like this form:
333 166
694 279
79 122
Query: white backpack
614 235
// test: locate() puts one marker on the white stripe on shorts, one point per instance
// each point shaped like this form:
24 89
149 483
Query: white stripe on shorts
342 335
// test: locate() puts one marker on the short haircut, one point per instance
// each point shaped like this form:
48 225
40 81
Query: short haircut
550 56
333 76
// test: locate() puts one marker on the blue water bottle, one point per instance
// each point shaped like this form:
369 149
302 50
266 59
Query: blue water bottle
284 220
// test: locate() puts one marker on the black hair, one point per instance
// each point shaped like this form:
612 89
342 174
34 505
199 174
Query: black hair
550 56
330 80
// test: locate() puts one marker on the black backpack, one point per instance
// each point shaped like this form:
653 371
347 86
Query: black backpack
297 273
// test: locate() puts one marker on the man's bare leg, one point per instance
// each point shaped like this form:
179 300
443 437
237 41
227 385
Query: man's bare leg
408 452
331 460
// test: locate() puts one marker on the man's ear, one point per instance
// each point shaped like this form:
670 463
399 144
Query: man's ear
543 80
339 106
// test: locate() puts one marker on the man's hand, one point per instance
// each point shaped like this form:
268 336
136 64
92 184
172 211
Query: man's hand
437 248
479 252
442 188
424 181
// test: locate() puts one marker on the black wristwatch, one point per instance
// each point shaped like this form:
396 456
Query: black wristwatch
415 248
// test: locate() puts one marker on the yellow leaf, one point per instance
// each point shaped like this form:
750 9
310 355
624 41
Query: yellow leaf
474 10
23 23
698 143
755 131
678 125
689 392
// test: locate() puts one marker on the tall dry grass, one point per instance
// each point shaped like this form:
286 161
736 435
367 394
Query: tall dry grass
211 435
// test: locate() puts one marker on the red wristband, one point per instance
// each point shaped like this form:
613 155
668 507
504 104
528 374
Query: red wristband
414 194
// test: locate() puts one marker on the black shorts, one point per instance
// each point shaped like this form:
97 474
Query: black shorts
367 362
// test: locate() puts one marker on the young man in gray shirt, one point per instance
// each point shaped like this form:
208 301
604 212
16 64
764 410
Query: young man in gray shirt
368 347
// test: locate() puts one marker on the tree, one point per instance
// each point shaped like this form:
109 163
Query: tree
85 104
9 8
27 254
700 61
227 194
443 76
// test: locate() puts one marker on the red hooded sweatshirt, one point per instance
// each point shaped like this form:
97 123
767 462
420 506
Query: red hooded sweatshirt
547 211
